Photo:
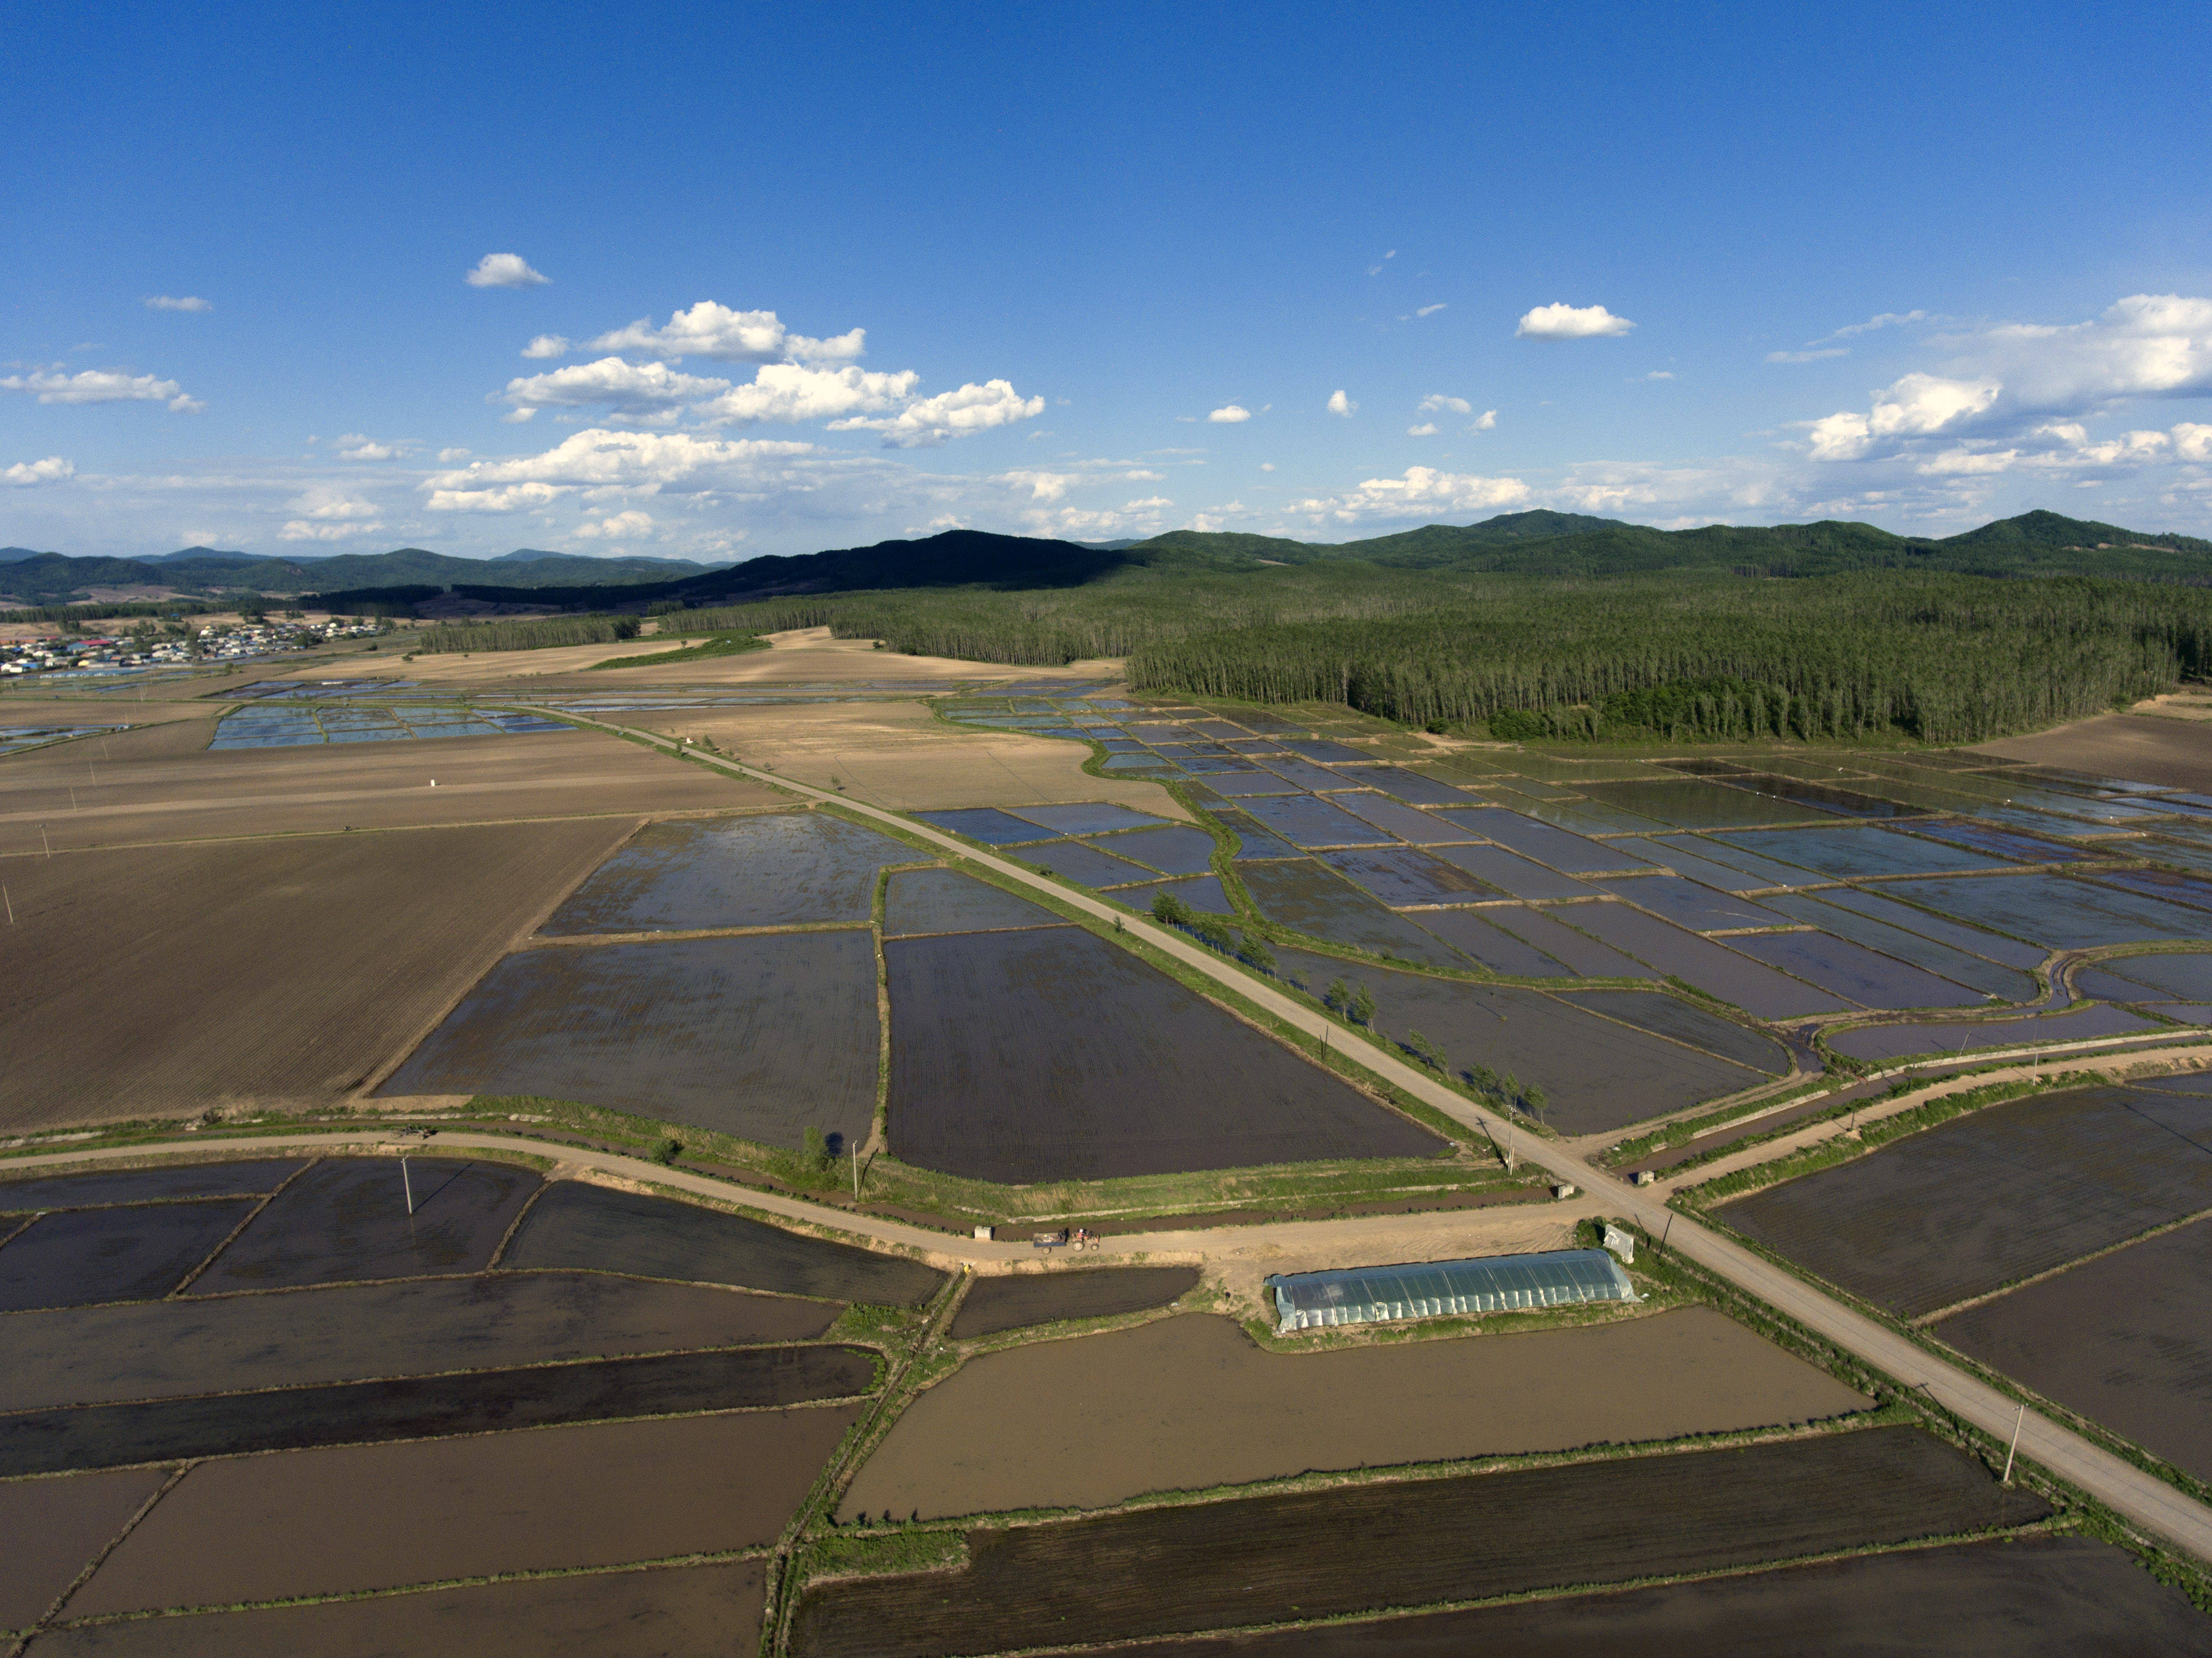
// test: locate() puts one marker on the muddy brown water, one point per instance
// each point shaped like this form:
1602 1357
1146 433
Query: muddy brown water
2013 1189
300 1338
267 1528
1008 1303
2122 1339
686 1612
2033 1597
53 1529
1210 1565
582 1225
348 1219
1097 1420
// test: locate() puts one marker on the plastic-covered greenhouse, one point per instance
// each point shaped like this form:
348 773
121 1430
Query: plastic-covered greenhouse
1433 1288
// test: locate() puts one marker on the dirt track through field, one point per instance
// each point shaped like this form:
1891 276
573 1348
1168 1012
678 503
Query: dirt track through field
172 978
1190 1402
264 1528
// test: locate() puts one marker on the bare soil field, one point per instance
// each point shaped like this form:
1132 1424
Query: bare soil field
1097 1420
476 668
55 1526
1009 1302
899 756
1052 1055
770 869
163 1349
758 1037
327 788
265 1527
428 1408
1600 1075
88 1255
2171 753
2010 1190
169 979
164 1183
685 1611
1404 1543
580 1225
346 1220
2122 1340
2029 1597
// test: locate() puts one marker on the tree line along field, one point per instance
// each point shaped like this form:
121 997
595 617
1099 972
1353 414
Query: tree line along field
1942 659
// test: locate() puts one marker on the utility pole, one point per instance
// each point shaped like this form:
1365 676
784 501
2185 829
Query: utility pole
2017 1423
10 904
856 1171
407 1181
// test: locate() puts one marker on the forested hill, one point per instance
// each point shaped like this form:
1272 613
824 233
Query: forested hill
1567 543
35 578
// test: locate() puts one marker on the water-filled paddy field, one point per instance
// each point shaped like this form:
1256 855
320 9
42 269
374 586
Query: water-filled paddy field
1212 1566
462 1405
1098 1419
2001 1194
1050 1054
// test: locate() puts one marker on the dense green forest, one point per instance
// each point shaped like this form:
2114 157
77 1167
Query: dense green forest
448 637
1944 658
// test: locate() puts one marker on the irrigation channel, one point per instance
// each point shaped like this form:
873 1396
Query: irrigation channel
2140 1498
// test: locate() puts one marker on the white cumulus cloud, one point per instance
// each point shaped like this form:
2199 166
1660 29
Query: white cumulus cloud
1427 429
547 345
103 385
1915 405
631 526
448 456
1423 492
789 392
709 330
1437 403
948 414
1338 403
1486 421
53 470
1427 310
1229 415
167 302
1569 322
598 457
632 387
504 270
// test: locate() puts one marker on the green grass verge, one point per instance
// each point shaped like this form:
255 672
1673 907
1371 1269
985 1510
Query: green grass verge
720 645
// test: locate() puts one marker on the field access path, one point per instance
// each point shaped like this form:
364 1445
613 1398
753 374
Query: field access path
2141 1498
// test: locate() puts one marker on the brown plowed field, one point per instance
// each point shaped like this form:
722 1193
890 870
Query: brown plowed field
2171 753
325 787
171 978
2122 1340
1097 1420
900 755
690 1612
2033 1597
364 1517
161 1348
55 1526
1317 1553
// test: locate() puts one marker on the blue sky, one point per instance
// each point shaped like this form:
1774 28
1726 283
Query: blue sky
1921 267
